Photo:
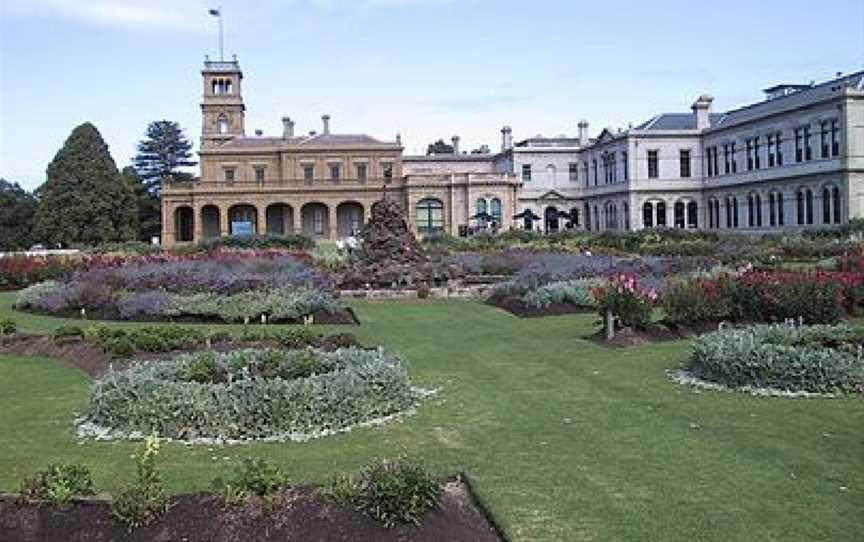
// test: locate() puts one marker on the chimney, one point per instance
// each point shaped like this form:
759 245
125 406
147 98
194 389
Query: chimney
399 139
259 133
455 142
702 110
506 138
287 127
326 120
583 133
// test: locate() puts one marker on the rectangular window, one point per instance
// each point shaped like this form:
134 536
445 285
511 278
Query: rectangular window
653 164
835 138
726 166
808 149
526 173
229 174
626 166
685 162
335 171
362 172
732 157
799 149
770 150
387 169
585 170
823 139
778 142
573 169
748 144
309 172
756 152
594 165
614 165
259 174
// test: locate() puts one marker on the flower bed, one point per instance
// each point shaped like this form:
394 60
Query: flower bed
231 287
250 394
764 296
815 359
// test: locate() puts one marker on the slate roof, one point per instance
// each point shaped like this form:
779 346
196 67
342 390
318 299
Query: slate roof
676 121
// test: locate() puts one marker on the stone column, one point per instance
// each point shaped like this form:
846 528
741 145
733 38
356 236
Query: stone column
169 237
260 219
333 232
297 219
197 224
224 225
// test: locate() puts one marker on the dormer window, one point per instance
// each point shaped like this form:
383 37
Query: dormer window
222 124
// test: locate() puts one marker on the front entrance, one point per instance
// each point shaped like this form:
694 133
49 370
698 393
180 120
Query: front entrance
551 219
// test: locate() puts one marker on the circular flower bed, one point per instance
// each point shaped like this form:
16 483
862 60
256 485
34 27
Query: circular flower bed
272 394
814 359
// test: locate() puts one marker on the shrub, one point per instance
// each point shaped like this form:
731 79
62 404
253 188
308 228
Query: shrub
819 359
696 301
8 326
58 484
575 292
30 296
396 491
774 296
626 299
143 304
145 500
289 242
281 304
68 333
251 394
255 478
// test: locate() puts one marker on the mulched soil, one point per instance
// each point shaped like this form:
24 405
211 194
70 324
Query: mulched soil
94 361
344 316
658 333
515 306
297 514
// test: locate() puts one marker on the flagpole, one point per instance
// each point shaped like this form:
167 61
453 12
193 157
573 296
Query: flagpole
221 49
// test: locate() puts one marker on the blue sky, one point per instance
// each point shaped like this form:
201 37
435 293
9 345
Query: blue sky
425 68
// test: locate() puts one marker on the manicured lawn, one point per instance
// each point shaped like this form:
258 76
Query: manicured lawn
564 439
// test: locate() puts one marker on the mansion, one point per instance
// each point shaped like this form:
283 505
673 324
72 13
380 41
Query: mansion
794 160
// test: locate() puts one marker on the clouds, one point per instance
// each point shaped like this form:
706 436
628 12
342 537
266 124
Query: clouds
186 15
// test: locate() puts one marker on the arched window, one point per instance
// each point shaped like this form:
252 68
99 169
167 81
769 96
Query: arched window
837 202
680 219
826 205
648 215
661 214
692 215
222 124
751 215
772 209
495 210
481 206
781 219
551 173
430 216
626 211
757 199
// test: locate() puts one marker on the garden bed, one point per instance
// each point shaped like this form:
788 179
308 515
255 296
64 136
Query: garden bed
299 513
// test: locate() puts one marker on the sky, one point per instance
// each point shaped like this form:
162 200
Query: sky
426 69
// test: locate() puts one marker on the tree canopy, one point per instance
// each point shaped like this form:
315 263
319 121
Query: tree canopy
147 205
162 153
17 216
84 201
439 147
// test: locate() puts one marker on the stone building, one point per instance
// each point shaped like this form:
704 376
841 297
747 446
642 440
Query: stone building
321 184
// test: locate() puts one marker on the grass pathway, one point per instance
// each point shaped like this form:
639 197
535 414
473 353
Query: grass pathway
565 440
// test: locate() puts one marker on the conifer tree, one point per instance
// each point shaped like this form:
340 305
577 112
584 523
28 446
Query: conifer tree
162 154
84 201
147 205
17 215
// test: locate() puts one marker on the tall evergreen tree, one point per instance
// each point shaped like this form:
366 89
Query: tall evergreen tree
85 201
162 153
147 204
17 216
439 147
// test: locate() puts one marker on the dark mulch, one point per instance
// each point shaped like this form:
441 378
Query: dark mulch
343 316
656 333
297 514
515 306
94 361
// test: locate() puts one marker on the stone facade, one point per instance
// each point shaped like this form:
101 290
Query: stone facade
794 160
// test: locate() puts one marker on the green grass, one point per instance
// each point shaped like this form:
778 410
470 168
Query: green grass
564 439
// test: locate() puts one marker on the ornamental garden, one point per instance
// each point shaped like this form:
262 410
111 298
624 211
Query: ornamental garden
510 386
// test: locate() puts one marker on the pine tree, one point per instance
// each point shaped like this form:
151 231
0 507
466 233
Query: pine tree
85 201
147 205
162 153
17 215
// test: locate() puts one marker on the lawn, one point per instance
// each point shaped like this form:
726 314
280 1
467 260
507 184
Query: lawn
563 439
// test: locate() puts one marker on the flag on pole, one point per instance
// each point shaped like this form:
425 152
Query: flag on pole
213 12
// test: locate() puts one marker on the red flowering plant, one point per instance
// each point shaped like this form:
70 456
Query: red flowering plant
626 299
